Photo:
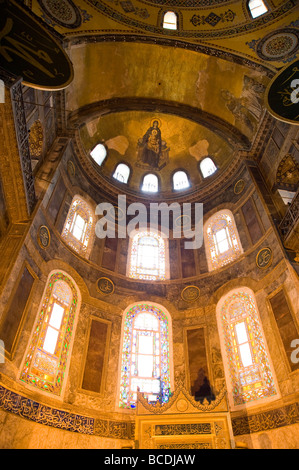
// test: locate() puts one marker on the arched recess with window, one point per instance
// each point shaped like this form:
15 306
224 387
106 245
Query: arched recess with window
207 167
146 354
170 20
222 242
248 368
122 173
256 8
150 183
180 180
78 227
148 257
46 361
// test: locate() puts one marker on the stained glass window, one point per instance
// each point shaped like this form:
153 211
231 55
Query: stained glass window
180 180
122 173
78 226
147 258
248 370
145 356
257 8
207 167
150 183
221 240
48 352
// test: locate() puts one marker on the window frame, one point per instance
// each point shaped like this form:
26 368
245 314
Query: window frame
219 260
129 174
83 245
180 170
164 13
201 172
150 192
250 11
100 165
129 314
132 268
67 331
259 352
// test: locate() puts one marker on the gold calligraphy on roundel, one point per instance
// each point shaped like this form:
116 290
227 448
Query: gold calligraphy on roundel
105 286
264 258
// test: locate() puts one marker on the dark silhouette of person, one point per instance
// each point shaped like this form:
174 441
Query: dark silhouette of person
204 391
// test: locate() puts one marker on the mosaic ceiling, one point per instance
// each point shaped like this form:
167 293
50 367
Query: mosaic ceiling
211 72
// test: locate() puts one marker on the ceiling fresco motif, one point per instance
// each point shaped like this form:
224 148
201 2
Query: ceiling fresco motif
158 143
160 99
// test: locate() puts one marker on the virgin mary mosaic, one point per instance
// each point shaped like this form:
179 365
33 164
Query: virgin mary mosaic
152 150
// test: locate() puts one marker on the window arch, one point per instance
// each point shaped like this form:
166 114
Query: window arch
180 180
122 173
207 167
248 370
147 256
257 8
47 356
170 20
150 183
222 241
99 153
78 226
145 355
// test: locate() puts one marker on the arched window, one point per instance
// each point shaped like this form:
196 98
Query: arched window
122 173
150 183
248 370
78 226
170 20
147 256
180 180
145 358
48 353
222 241
257 8
98 154
207 167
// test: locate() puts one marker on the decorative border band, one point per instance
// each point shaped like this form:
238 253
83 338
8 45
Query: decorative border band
29 409
267 420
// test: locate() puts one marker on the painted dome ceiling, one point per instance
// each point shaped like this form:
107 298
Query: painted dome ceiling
204 82
184 144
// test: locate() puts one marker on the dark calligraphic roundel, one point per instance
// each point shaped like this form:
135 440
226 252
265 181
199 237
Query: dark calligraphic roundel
29 51
264 258
282 94
105 286
190 293
43 236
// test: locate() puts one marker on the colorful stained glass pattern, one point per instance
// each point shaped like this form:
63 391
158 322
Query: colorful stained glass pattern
222 240
147 257
249 368
145 356
47 355
78 227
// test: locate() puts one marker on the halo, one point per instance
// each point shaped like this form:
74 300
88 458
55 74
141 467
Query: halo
156 119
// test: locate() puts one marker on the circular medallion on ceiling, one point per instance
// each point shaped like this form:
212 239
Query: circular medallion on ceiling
279 45
62 12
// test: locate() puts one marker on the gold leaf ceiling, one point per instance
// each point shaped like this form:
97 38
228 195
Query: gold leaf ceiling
205 81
